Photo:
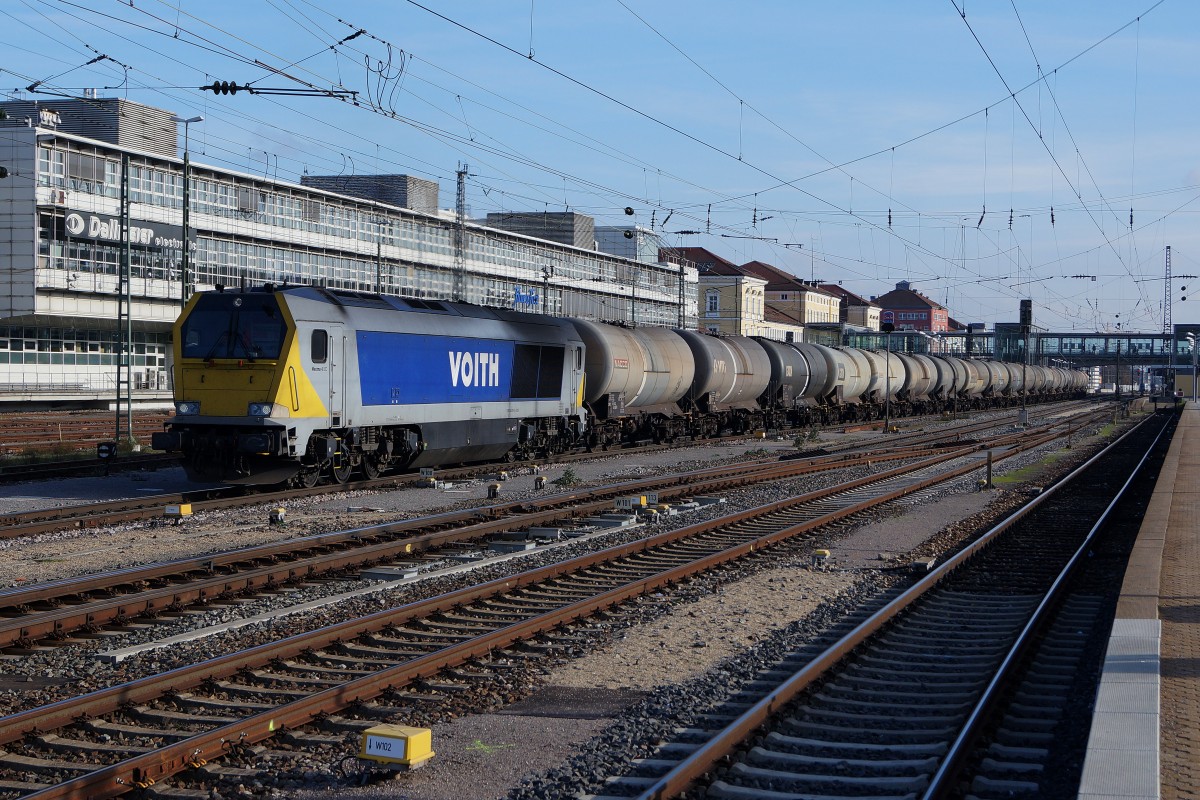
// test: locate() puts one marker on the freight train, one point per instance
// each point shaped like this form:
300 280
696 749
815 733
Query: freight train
302 384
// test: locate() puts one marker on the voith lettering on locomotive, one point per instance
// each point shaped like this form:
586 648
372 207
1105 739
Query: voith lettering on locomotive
474 369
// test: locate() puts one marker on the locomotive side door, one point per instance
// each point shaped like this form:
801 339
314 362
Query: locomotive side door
325 365
337 375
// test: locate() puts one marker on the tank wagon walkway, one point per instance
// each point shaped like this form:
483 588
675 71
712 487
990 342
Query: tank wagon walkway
1145 738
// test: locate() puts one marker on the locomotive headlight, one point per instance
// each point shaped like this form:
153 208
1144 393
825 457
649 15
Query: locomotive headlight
187 408
260 409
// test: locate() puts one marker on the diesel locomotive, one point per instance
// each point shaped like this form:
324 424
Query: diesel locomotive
301 384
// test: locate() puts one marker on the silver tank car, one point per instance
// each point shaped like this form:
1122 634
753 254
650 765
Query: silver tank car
1016 380
634 369
920 375
731 371
1036 379
822 371
853 374
998 377
887 374
977 377
943 385
790 376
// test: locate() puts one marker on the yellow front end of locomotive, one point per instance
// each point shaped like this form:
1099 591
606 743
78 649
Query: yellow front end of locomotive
230 384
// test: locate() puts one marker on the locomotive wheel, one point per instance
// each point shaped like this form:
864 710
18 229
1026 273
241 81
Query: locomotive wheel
309 478
370 469
340 468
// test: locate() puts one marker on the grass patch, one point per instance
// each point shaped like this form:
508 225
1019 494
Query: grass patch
1026 473
569 478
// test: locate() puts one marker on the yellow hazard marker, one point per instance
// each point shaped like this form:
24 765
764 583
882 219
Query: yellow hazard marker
397 746
178 512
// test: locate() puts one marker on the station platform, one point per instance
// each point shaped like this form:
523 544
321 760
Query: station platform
1145 735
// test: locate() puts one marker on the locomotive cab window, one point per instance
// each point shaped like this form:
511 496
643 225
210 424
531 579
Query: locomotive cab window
243 326
320 346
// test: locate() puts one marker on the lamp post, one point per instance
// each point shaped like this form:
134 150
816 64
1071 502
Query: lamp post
187 202
887 328
546 273
1191 337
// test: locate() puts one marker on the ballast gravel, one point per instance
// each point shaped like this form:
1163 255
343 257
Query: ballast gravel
652 675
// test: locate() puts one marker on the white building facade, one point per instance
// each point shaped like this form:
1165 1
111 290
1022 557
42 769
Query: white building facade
62 254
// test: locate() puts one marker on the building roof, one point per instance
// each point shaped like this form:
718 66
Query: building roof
782 313
780 281
904 297
848 297
706 261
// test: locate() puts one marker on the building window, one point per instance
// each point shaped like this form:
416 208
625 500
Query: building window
712 302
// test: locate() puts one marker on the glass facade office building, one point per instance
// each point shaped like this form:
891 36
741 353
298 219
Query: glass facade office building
61 247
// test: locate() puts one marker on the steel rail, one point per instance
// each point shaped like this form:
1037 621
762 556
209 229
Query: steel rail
704 758
133 509
206 578
144 769
939 785
246 569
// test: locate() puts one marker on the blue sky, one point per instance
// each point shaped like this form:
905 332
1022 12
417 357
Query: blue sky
781 131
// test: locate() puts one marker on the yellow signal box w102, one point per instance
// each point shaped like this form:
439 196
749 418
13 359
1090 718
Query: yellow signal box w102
397 746
178 512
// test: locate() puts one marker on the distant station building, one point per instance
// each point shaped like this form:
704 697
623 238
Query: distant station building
855 310
913 310
61 236
756 298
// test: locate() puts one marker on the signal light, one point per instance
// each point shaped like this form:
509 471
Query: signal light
3 172
225 87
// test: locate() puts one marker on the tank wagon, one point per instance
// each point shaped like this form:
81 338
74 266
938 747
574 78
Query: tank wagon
300 384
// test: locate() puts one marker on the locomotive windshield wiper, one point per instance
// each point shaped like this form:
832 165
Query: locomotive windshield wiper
225 334
212 350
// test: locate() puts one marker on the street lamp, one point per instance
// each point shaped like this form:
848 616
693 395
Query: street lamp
887 329
1191 337
187 202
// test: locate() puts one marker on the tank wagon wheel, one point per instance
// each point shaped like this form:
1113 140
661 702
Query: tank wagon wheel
370 469
309 478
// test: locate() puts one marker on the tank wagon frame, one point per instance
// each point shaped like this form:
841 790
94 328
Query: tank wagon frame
299 384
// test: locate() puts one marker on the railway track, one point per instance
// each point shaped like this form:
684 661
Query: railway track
74 468
151 507
922 699
32 433
56 610
364 669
